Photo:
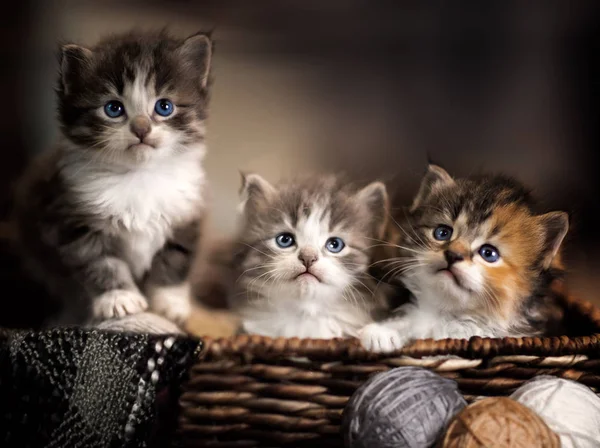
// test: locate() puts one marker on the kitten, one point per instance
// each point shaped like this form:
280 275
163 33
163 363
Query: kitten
477 261
109 219
303 254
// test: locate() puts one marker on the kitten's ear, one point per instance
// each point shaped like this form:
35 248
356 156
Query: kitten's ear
556 226
74 61
435 178
375 198
197 52
255 190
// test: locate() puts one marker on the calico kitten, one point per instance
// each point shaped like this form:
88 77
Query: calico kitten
109 219
303 253
477 261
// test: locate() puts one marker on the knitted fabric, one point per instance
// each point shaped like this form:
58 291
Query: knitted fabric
89 388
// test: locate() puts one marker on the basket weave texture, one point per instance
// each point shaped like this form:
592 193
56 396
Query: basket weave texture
251 391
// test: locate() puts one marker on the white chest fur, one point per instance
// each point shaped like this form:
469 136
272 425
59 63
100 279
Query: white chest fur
139 248
140 206
304 319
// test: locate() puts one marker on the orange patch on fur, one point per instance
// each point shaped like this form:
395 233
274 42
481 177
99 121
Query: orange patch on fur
520 238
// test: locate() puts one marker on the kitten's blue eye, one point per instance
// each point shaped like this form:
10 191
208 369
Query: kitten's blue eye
489 253
335 245
285 240
442 233
114 109
164 107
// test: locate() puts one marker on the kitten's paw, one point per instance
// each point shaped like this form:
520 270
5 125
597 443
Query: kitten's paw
172 302
379 338
118 303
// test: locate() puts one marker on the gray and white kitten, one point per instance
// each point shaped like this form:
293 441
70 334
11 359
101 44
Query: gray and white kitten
304 249
108 220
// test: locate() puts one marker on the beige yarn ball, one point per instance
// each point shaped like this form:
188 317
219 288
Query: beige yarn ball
498 422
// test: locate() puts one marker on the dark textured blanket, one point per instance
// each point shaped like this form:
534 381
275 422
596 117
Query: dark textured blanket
90 388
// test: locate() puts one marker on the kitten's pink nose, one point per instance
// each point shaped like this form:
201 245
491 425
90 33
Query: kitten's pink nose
141 127
308 256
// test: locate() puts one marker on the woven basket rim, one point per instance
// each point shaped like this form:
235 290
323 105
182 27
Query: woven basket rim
475 347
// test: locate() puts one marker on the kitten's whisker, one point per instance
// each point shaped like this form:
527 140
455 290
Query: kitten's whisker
377 239
409 262
345 297
406 233
95 157
370 278
390 260
389 274
271 278
258 250
414 231
366 287
353 299
404 269
402 262
256 279
262 266
359 296
108 128
381 280
401 265
386 243
489 298
409 249
490 302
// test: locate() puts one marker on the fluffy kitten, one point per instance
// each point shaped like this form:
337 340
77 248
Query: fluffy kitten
304 250
109 219
477 260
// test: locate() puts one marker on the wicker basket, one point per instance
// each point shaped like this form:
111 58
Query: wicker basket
251 391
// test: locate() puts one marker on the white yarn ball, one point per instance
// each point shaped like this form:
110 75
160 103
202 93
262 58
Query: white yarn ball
570 409
141 323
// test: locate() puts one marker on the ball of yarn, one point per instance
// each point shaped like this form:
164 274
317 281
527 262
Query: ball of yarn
570 409
499 422
405 407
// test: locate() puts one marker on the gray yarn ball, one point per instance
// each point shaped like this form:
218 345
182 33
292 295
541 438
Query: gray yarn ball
405 407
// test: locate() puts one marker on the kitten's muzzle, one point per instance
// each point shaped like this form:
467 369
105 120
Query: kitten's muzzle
452 257
140 126
308 274
453 273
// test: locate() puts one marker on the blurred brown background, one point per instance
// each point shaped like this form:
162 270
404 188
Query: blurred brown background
370 88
